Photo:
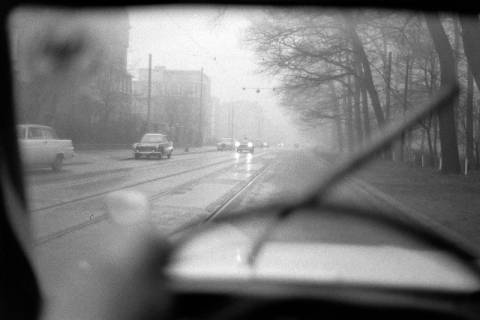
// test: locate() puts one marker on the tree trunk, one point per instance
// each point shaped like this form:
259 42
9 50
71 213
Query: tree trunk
478 138
338 121
347 107
367 72
404 137
366 116
338 124
422 142
435 136
456 53
434 119
361 133
388 80
471 44
357 112
477 155
469 120
448 136
431 151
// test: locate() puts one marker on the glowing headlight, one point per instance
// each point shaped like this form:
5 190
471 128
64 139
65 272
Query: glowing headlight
237 143
250 144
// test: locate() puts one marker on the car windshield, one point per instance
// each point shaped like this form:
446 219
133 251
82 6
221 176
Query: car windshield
153 138
296 91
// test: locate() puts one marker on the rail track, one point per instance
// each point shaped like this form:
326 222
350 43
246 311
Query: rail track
130 185
220 207
149 163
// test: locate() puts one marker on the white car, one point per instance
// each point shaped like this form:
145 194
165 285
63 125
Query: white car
40 146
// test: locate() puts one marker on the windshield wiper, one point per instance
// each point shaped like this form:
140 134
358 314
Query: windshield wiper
383 139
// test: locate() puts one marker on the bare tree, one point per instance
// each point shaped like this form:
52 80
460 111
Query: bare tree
471 44
448 75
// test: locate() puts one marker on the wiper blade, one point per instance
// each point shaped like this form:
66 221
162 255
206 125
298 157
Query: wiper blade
382 140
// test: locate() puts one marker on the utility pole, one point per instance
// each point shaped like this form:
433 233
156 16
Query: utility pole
149 90
201 107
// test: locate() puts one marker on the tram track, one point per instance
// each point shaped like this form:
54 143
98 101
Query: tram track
95 219
40 180
223 204
127 186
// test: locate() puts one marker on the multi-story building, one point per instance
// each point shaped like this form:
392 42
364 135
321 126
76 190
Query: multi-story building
85 93
180 104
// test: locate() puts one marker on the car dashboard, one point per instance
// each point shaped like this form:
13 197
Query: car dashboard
267 300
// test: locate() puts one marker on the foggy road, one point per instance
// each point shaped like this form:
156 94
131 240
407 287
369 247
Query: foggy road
69 215
70 220
135 126
64 203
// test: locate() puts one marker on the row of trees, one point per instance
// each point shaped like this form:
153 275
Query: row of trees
360 70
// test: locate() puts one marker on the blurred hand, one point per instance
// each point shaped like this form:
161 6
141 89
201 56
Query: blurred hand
128 282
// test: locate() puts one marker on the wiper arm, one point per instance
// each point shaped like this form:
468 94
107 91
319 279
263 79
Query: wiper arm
380 142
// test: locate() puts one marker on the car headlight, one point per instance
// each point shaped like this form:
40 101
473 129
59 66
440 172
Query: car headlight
237 144
250 144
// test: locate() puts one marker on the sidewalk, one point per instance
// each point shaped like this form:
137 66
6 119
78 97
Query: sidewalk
453 201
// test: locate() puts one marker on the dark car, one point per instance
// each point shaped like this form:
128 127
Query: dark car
226 144
245 146
153 144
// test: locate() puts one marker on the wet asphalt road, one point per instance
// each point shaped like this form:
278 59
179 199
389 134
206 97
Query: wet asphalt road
71 222
69 215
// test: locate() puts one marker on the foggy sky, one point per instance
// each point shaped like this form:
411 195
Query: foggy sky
208 37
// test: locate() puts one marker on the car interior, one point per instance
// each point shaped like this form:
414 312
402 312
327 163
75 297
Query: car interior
198 297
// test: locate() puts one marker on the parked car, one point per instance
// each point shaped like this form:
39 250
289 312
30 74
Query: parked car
153 144
244 146
226 144
41 147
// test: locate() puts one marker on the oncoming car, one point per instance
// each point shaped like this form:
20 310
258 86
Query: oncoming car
153 145
244 146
